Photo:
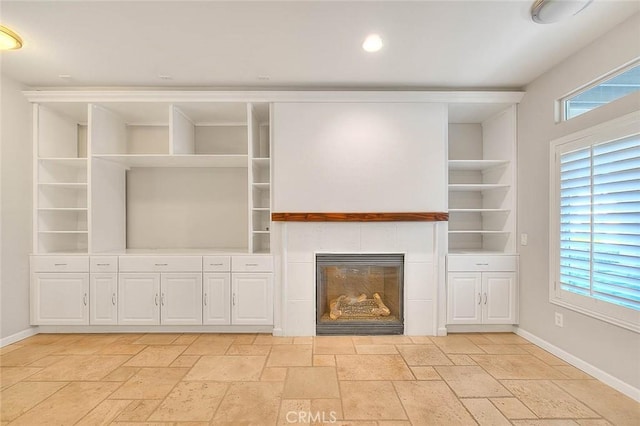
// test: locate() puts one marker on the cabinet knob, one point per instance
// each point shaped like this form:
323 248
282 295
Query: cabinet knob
251 264
161 264
162 299
479 298
102 264
485 298
84 299
234 299
59 264
205 299
156 299
215 264
113 299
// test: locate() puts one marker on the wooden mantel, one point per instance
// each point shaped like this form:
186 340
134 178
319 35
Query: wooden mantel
361 217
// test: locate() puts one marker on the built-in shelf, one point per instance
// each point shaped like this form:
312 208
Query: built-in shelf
67 185
62 232
476 186
261 232
62 209
67 162
475 165
477 231
479 210
262 162
163 160
261 209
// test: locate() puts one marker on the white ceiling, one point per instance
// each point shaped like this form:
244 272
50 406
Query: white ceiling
293 44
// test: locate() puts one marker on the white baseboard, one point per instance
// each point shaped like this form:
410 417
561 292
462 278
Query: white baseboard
16 337
592 370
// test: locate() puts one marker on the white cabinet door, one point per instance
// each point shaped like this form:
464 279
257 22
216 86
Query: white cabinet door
103 297
60 299
464 298
252 296
499 294
217 298
181 298
139 298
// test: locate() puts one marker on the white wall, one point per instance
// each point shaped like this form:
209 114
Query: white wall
612 349
364 157
15 216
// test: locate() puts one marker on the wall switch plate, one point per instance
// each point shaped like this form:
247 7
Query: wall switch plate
524 239
559 319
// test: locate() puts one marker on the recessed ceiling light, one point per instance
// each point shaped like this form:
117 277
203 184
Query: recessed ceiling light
9 40
550 11
372 43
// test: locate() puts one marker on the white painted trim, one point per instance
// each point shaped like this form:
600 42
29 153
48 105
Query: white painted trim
20 335
156 329
592 370
175 96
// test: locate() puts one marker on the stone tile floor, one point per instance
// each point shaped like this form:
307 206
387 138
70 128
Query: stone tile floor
249 379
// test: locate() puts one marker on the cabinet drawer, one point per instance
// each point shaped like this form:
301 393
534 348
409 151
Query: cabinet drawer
160 263
60 263
482 263
103 264
252 264
216 263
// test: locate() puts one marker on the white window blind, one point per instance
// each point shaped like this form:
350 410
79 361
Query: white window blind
600 222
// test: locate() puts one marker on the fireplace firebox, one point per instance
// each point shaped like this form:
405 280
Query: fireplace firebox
359 294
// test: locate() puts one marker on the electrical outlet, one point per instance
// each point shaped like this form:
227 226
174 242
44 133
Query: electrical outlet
524 239
559 320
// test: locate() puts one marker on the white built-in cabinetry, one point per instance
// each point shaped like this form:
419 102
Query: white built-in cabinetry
482 290
122 177
133 290
482 185
482 268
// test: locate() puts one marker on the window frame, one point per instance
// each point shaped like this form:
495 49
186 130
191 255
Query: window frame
561 103
620 128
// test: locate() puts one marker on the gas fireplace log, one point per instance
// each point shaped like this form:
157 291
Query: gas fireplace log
334 307
361 298
382 310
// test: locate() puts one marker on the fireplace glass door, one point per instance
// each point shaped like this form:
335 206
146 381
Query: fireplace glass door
359 294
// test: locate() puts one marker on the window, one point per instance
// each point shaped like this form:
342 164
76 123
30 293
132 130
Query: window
604 91
595 248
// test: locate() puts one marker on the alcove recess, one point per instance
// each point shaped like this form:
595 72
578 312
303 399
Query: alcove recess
136 177
482 179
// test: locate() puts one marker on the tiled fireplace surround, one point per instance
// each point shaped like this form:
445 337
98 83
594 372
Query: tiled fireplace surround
296 244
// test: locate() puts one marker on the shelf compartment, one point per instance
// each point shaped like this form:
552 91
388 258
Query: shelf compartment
177 160
63 242
62 170
261 221
261 242
476 165
261 170
62 221
62 196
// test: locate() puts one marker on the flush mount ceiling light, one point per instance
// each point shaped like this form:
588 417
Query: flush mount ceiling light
372 43
9 40
550 11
